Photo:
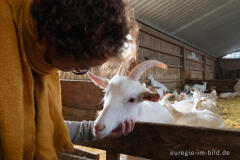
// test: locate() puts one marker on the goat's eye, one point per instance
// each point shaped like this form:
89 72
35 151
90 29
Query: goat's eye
131 100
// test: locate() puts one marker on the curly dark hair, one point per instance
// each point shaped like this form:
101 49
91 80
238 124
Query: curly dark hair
84 28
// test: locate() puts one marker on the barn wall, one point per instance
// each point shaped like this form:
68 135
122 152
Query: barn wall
228 69
177 55
156 45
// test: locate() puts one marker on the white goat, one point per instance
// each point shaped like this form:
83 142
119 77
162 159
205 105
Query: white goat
183 96
187 88
212 94
210 102
201 118
176 95
186 104
202 88
236 87
157 84
125 97
228 95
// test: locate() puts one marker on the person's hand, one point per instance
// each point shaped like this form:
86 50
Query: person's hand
124 128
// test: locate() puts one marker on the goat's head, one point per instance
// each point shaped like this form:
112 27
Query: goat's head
123 94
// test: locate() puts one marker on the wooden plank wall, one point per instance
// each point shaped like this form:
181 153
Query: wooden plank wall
228 69
151 46
156 45
177 55
210 68
81 100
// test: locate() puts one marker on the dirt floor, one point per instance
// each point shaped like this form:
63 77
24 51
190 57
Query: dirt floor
229 110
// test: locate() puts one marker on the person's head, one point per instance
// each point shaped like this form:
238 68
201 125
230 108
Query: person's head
82 33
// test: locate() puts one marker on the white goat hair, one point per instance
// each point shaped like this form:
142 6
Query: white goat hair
157 84
236 87
176 95
209 104
125 97
183 96
193 56
202 88
212 94
228 95
187 88
200 118
186 104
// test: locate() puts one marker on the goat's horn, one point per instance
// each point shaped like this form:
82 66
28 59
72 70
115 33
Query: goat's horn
121 69
138 70
166 97
99 81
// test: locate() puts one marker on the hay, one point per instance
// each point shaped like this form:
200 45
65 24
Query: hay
230 112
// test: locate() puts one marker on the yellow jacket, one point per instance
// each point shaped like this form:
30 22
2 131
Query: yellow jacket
31 122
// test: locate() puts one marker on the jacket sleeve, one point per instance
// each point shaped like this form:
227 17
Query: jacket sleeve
81 131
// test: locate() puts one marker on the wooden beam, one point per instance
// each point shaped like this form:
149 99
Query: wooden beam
193 60
112 155
67 156
162 141
163 52
79 154
195 69
204 67
171 80
86 153
173 66
182 63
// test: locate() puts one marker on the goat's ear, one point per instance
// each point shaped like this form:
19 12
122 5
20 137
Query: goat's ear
98 81
148 96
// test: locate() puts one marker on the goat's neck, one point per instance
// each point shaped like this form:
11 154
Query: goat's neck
195 106
176 114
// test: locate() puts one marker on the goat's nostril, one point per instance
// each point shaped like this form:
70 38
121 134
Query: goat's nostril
99 128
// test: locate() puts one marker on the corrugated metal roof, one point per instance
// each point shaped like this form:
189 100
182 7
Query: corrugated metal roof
211 25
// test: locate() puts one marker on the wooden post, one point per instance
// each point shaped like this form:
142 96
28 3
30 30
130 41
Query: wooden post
204 67
182 63
112 155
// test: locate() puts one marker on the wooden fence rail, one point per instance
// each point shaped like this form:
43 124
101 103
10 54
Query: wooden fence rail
79 154
162 142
